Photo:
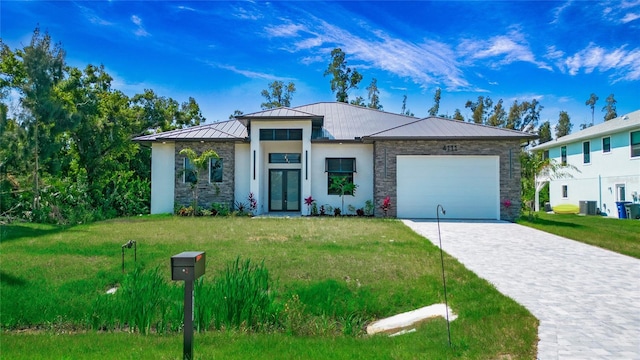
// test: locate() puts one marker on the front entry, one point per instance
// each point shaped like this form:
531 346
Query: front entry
284 190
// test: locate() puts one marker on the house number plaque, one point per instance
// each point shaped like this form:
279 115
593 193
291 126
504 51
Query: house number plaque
450 148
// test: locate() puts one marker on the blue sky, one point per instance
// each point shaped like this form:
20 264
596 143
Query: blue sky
224 53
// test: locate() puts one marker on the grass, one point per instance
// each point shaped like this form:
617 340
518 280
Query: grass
619 235
332 275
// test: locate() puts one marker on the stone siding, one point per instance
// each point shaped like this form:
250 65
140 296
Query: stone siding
509 151
208 193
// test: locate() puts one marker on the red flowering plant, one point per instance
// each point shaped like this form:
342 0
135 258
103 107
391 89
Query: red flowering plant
309 201
386 205
506 203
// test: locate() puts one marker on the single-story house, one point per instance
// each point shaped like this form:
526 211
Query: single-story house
606 158
282 156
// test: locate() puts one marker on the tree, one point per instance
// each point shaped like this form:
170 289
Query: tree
610 108
593 98
200 163
498 116
457 115
34 72
374 95
564 125
235 113
160 114
342 186
278 95
531 111
544 132
404 110
358 101
433 111
524 116
479 109
536 171
343 78
514 119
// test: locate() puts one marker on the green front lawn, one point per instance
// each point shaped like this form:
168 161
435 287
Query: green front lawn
619 235
370 268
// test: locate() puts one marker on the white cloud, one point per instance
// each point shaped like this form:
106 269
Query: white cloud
557 12
425 63
140 31
182 7
508 49
630 17
286 30
624 63
250 74
92 17
244 14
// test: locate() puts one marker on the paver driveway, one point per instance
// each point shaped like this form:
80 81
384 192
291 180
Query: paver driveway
587 299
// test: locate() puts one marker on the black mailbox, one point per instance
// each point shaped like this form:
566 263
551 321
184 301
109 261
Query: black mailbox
188 265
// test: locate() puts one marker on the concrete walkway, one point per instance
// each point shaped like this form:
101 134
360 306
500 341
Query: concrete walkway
587 299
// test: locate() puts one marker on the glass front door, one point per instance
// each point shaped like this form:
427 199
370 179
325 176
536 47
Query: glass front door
284 190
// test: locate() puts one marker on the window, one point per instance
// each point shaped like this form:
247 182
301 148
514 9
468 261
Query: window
343 167
563 155
565 191
586 152
635 144
280 134
545 155
284 158
189 172
606 145
215 170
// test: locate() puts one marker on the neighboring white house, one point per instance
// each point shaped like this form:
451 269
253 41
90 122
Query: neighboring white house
607 157
282 156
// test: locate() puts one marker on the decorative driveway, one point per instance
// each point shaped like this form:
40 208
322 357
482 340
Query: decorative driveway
586 298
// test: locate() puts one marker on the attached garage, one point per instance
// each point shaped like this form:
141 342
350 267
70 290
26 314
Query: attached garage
467 187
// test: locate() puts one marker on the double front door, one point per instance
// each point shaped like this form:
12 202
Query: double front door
284 190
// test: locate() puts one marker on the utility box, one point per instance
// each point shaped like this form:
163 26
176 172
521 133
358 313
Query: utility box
588 207
188 265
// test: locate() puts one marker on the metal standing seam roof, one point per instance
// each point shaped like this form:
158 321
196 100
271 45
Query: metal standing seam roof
346 122
439 128
223 130
621 123
343 122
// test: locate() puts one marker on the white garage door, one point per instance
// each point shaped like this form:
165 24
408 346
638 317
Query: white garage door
468 187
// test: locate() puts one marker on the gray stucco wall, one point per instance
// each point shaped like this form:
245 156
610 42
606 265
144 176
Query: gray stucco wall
207 192
385 153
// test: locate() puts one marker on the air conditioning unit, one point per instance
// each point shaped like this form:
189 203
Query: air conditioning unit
588 207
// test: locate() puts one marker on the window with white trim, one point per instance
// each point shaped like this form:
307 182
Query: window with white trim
635 143
563 155
606 144
586 152
565 191
342 167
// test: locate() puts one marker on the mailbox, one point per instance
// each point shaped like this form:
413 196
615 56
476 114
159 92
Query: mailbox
188 265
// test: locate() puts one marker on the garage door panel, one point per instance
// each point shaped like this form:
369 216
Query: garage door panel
466 186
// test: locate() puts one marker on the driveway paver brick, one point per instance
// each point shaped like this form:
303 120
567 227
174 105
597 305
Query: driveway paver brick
586 298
